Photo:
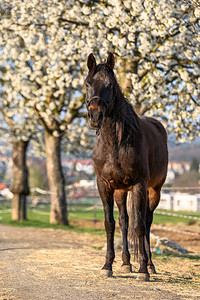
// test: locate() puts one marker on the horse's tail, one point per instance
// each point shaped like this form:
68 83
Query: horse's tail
132 236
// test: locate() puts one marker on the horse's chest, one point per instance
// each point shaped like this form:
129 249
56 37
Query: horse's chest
112 171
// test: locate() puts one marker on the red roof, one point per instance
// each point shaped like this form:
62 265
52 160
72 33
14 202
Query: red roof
2 186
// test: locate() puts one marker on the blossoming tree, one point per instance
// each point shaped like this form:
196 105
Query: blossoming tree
39 69
156 44
19 131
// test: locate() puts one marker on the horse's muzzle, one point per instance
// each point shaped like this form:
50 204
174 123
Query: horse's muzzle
95 119
94 126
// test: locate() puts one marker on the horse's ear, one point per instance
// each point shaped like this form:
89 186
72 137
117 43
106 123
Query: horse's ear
110 61
91 62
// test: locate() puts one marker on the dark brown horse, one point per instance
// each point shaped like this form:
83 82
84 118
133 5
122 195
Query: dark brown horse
130 154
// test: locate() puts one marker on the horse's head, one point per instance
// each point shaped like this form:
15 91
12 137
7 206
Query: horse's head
99 90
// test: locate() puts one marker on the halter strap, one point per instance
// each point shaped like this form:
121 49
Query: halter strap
102 100
104 103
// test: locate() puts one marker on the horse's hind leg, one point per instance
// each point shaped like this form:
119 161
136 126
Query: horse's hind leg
120 199
108 203
140 204
151 267
153 200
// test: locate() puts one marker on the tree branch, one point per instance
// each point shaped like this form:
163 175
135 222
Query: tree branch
73 112
43 122
8 121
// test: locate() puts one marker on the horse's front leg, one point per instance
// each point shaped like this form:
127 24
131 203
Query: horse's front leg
106 194
120 199
140 204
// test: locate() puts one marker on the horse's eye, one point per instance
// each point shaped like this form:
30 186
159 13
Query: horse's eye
110 85
87 85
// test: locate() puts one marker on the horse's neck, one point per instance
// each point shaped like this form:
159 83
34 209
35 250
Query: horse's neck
108 131
123 123
111 131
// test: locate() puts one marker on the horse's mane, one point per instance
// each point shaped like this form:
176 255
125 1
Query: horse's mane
128 119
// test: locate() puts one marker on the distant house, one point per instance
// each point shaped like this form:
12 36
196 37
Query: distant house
85 165
179 167
3 186
183 201
180 201
170 176
176 168
5 193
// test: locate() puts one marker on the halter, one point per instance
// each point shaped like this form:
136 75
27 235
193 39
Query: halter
104 103
102 100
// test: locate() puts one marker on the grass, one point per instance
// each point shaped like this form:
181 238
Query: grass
165 257
161 219
39 218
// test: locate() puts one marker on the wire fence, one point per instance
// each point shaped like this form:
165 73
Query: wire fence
176 215
90 205
94 204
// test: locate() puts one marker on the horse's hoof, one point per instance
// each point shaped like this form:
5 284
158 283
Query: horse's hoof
143 277
106 273
152 270
126 269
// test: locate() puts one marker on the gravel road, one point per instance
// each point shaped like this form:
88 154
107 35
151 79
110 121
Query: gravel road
56 264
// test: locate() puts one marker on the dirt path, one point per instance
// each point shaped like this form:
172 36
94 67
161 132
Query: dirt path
56 264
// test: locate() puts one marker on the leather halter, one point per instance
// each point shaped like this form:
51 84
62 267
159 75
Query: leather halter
102 100
106 104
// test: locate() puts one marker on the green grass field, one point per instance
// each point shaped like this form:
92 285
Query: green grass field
39 217
161 219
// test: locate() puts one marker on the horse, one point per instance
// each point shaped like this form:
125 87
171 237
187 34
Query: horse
130 154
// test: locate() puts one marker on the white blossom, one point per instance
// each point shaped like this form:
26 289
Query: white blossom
45 48
197 12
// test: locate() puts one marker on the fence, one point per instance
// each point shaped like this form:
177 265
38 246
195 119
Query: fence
87 193
179 201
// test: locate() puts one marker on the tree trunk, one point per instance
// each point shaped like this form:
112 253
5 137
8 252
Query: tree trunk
56 180
126 65
19 186
19 207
